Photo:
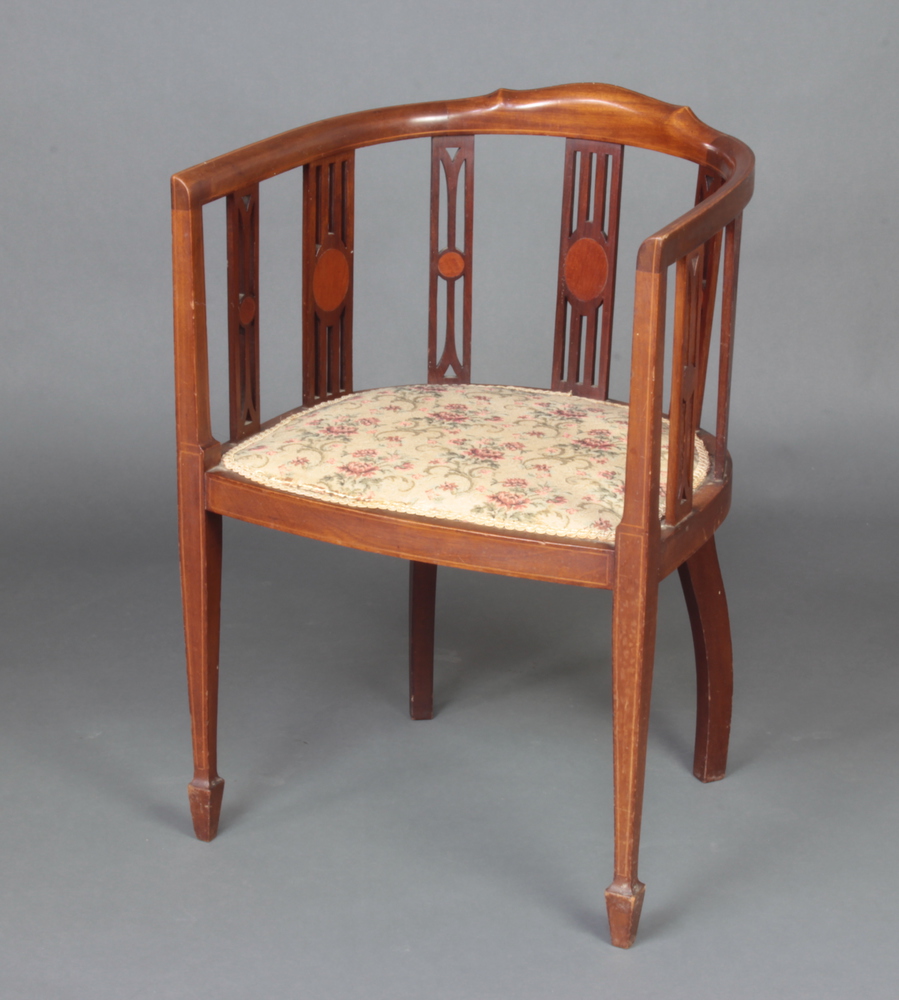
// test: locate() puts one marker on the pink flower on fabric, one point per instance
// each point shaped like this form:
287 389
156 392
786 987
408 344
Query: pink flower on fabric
365 453
488 453
451 416
369 421
359 469
514 446
520 483
300 461
599 443
511 501
340 430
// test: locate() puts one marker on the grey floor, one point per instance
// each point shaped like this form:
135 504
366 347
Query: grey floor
364 855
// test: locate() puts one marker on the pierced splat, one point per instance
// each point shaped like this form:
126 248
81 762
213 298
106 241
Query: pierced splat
243 311
588 249
327 278
452 165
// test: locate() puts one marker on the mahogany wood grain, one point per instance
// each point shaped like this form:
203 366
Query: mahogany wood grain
422 597
707 183
703 587
452 160
328 240
711 503
243 311
635 603
588 252
405 536
683 415
653 538
728 315
201 581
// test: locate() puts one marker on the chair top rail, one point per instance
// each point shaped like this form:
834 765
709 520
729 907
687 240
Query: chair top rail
582 110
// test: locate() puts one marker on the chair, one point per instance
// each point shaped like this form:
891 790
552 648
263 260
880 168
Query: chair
559 484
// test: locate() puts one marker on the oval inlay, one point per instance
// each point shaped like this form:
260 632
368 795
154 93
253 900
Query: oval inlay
451 264
331 280
246 311
586 269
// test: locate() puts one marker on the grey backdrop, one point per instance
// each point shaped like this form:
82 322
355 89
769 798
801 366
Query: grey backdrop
361 855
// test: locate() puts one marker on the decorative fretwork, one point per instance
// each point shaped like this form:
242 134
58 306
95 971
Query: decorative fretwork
327 278
243 311
588 248
452 165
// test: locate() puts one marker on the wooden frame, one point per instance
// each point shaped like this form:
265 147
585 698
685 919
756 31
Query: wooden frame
596 120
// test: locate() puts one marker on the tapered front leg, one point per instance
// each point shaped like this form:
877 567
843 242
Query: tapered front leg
703 587
422 600
635 605
201 580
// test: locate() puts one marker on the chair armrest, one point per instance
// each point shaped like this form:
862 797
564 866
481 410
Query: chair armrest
697 231
192 412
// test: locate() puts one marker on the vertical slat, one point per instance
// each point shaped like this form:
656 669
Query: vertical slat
725 357
683 417
588 251
707 183
328 198
243 311
452 158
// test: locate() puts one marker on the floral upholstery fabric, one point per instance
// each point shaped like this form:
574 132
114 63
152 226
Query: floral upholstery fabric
529 459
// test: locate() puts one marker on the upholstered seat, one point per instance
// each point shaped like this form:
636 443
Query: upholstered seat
502 456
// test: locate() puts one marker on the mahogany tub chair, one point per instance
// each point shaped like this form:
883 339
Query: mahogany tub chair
559 484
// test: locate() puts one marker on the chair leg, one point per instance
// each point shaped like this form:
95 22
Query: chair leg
703 587
422 597
635 605
201 580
